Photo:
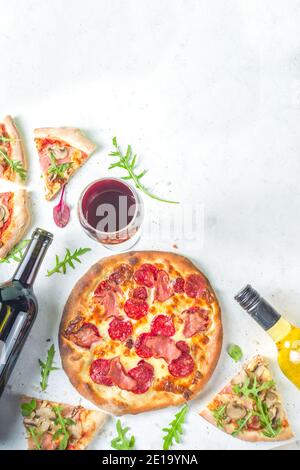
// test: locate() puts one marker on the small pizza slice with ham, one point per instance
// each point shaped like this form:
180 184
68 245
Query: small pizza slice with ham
62 151
14 219
250 407
56 426
13 163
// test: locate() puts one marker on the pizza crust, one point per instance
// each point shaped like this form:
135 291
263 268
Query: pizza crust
71 135
74 359
19 223
18 152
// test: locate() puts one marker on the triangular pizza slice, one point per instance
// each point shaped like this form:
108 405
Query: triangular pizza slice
55 426
250 407
13 164
62 151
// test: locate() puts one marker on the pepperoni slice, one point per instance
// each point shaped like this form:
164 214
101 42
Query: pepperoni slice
136 308
119 329
183 366
140 293
195 286
143 375
141 349
146 275
162 325
179 285
85 336
183 346
122 274
99 372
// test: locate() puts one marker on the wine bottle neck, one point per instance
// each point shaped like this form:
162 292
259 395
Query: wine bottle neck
33 257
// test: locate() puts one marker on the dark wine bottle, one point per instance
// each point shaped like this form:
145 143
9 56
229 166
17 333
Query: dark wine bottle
18 304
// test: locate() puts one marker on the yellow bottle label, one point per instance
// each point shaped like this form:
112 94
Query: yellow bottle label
280 330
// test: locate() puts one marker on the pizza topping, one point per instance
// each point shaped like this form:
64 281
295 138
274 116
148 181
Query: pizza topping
119 329
4 214
183 366
122 274
143 375
236 411
195 286
146 275
183 346
99 372
254 424
179 285
141 349
74 325
162 325
104 287
163 287
119 376
140 293
196 320
105 293
162 347
136 308
86 336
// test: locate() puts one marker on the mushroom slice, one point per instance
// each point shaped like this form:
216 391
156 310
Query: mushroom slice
236 411
60 153
240 378
4 214
271 398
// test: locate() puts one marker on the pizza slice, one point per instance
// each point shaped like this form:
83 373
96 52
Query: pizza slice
56 426
62 151
14 219
250 407
13 164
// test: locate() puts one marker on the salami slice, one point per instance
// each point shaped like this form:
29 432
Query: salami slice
195 286
143 375
146 275
119 329
183 346
99 372
86 336
179 285
162 325
183 366
122 274
136 308
141 349
140 293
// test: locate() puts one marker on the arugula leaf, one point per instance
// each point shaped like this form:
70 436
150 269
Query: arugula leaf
235 352
28 408
122 442
128 163
220 414
47 367
242 423
61 265
248 390
8 139
16 166
36 437
174 431
16 254
62 431
58 170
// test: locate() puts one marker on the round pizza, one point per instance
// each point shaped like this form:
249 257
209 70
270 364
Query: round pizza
141 331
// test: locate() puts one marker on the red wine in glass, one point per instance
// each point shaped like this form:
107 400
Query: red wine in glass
111 212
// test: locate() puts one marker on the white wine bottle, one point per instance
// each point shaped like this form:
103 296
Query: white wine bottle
18 304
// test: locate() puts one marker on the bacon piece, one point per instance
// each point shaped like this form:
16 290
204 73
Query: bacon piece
99 372
182 366
119 376
119 329
146 275
162 347
140 293
162 325
74 325
136 308
141 349
195 286
122 274
163 287
47 442
196 320
85 336
106 295
143 375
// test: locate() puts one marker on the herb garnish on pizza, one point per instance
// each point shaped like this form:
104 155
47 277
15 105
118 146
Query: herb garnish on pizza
250 407
13 165
62 151
141 331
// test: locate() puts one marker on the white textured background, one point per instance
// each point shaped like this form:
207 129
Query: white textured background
208 94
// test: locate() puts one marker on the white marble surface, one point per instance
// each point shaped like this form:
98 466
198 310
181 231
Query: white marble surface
208 94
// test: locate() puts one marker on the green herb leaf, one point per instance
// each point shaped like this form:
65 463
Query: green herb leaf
122 442
235 352
16 254
46 368
28 408
174 431
8 139
220 414
62 431
242 423
128 163
16 166
61 265
58 170
36 436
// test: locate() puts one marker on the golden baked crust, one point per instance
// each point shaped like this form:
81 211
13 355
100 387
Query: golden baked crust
165 390
227 396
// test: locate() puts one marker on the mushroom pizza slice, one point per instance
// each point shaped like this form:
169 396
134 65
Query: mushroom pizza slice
250 407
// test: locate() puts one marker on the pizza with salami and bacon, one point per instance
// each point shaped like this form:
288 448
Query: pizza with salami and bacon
141 331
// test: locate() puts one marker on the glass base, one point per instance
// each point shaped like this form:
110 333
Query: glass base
125 246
